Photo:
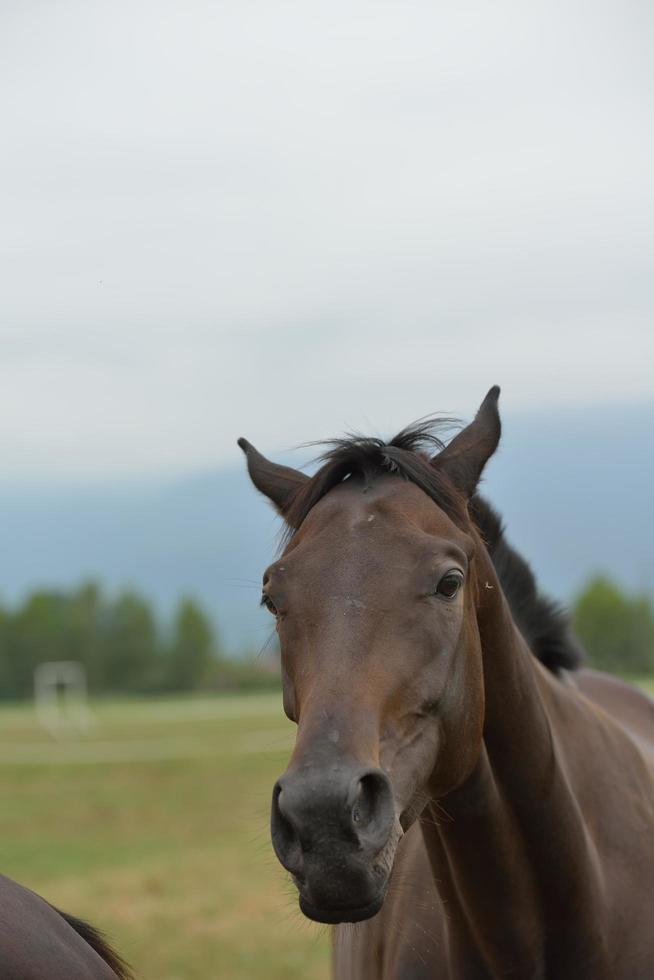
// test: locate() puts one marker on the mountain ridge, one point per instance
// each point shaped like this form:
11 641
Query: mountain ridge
572 488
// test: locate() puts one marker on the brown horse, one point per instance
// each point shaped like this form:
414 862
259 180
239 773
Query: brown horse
488 817
38 942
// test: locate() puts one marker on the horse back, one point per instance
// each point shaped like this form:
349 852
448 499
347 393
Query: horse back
627 705
36 941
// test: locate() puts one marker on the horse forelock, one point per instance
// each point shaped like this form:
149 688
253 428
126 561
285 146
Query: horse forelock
405 455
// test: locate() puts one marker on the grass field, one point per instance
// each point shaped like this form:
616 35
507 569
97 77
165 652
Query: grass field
154 825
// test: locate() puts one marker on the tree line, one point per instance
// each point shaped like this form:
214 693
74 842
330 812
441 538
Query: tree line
615 627
120 643
125 649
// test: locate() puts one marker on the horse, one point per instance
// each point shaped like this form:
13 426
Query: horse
478 803
38 942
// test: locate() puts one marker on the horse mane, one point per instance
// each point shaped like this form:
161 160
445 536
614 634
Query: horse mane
97 941
543 622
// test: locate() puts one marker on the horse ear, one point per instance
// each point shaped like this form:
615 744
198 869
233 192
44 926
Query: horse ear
278 483
464 458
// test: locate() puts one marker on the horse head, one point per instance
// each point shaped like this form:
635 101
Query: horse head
375 600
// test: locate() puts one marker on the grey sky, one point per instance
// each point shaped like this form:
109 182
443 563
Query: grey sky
284 219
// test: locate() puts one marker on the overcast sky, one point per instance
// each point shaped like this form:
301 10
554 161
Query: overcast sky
285 219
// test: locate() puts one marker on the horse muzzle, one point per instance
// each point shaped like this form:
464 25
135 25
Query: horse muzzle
336 832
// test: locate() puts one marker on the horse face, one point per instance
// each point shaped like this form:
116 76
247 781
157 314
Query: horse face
375 607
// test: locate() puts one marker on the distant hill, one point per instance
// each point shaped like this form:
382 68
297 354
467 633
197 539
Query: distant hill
575 490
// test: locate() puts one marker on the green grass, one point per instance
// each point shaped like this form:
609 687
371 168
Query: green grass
154 825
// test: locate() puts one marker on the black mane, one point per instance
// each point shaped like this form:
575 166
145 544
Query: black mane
544 624
97 941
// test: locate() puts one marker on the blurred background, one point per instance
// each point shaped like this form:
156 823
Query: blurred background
285 221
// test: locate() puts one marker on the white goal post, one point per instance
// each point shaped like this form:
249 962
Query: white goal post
61 697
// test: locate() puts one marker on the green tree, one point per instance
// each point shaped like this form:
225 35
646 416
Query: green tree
117 640
6 672
131 657
192 648
617 630
35 633
86 614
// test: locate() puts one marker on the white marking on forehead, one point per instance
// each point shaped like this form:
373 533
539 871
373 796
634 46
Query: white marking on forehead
334 736
371 518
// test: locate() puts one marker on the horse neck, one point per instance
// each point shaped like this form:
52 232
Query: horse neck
508 848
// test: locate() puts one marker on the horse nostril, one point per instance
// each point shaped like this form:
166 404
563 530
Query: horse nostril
371 809
363 805
284 837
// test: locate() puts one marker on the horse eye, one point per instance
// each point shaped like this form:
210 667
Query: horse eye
449 585
268 603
